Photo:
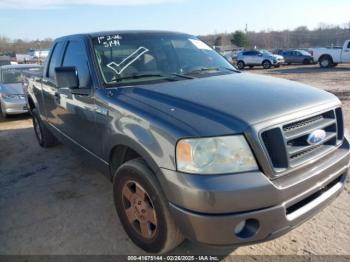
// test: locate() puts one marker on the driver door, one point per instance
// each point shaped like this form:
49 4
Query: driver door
75 113
346 54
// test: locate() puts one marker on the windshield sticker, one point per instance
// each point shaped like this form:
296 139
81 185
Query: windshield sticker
199 44
109 40
119 68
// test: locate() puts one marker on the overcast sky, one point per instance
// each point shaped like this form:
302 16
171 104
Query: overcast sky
32 19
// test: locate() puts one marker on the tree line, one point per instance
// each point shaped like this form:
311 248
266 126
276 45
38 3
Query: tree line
19 46
301 37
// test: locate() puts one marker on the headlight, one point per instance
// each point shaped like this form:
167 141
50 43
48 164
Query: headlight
216 155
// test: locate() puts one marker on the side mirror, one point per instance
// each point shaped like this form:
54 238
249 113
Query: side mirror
67 77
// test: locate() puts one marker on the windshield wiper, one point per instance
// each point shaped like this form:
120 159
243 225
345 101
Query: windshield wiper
207 69
169 77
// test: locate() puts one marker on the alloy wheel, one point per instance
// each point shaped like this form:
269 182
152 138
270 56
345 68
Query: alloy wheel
139 209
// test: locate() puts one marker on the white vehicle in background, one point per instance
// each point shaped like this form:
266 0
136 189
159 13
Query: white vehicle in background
329 57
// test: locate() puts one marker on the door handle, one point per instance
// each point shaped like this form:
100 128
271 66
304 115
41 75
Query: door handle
346 51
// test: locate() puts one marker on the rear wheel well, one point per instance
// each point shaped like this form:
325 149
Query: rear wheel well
326 56
119 155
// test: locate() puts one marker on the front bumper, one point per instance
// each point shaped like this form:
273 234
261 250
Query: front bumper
208 208
14 106
278 62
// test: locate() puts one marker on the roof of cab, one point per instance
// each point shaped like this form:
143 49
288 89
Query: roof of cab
95 34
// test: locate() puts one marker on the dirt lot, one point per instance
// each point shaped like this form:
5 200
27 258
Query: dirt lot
53 202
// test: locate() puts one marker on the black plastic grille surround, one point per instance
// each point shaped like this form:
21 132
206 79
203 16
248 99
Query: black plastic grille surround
287 144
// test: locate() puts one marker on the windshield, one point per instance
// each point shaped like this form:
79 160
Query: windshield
304 52
14 75
132 58
267 52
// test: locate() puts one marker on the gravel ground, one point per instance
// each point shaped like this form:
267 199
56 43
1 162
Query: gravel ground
53 202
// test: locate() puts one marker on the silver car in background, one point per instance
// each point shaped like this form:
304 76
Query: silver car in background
12 96
258 58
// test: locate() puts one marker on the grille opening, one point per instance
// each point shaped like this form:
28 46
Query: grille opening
340 123
274 143
309 121
287 144
305 152
312 197
302 123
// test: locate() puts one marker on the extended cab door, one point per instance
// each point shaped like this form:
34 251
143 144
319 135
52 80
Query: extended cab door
346 52
74 114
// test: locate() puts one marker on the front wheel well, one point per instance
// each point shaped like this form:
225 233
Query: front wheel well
119 155
266 60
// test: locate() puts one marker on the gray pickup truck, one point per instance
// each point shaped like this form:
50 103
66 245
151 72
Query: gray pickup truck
194 148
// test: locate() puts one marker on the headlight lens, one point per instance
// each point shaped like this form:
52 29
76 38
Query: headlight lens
216 155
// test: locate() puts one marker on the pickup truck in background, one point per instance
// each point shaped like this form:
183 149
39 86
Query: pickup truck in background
194 148
329 57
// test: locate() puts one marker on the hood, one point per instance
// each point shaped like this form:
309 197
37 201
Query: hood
229 103
13 89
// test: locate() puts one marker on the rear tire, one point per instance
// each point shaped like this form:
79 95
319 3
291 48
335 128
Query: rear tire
326 61
43 135
306 62
143 209
240 65
266 64
3 115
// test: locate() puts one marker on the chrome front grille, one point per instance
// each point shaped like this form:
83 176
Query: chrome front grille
287 144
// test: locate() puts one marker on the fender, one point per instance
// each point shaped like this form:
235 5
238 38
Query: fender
123 140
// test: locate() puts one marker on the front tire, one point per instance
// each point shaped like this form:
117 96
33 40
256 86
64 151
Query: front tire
266 64
43 135
306 62
143 209
326 62
240 65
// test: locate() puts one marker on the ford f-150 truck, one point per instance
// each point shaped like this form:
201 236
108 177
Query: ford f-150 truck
328 57
194 148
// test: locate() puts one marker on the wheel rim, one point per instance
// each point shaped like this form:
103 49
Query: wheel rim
325 62
139 209
37 129
266 64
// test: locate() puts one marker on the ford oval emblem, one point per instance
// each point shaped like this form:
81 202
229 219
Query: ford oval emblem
316 137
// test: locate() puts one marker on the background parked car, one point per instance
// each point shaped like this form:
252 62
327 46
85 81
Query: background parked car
328 57
258 58
297 57
12 97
